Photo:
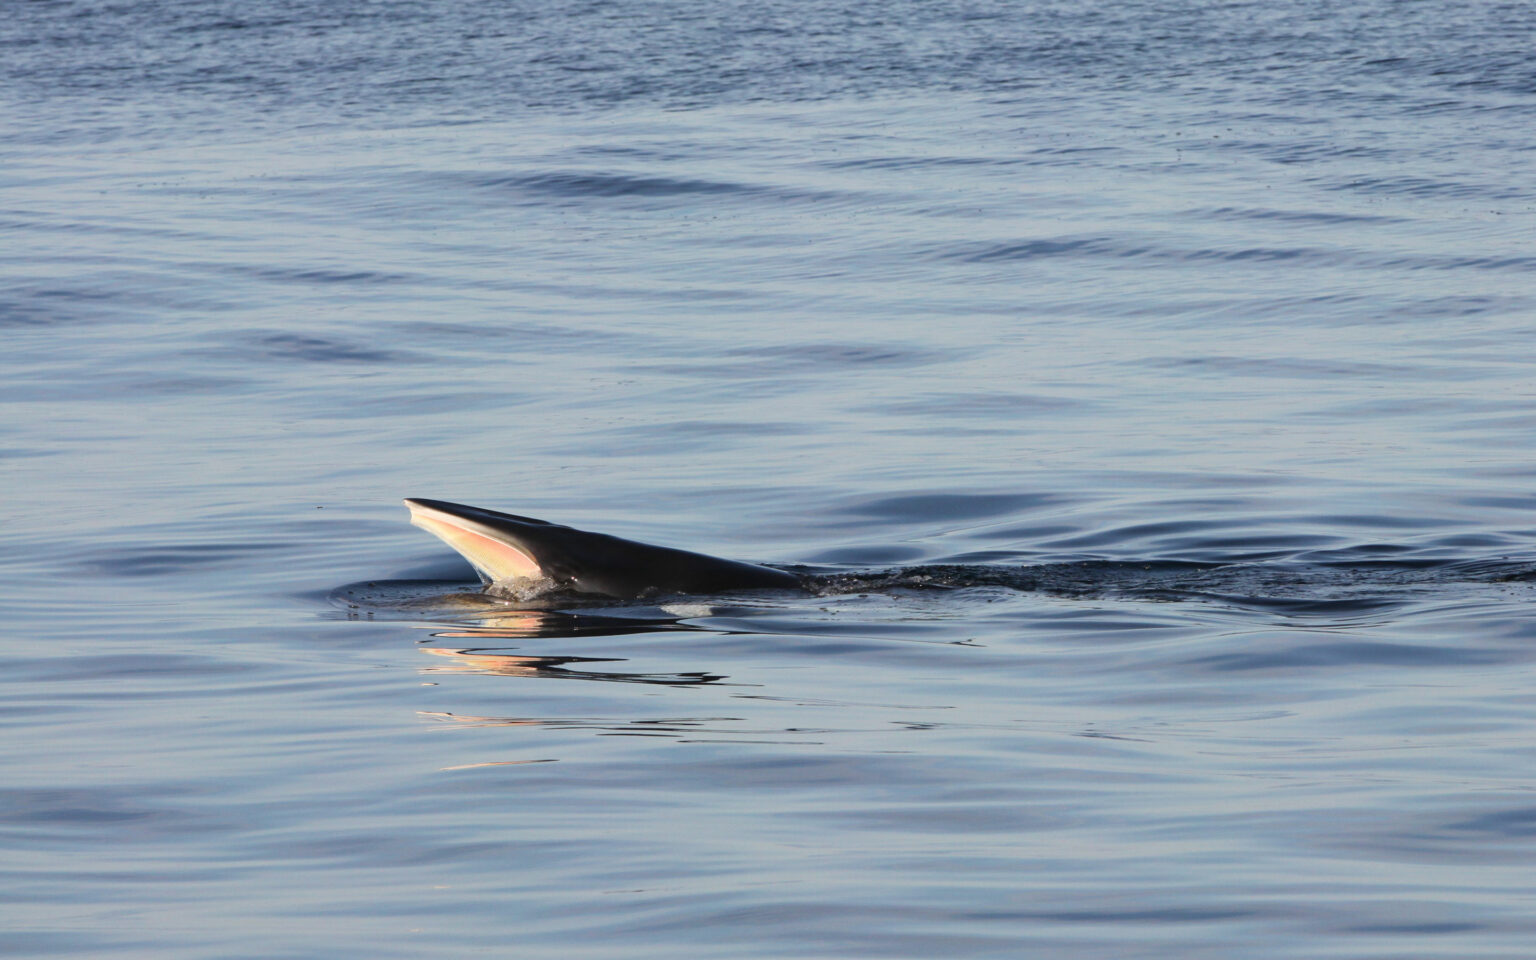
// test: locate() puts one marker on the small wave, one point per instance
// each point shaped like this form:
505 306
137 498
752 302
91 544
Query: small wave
1285 368
845 354
14 316
169 559
989 407
321 275
1161 250
930 507
1345 653
915 163
277 345
1129 248
613 185
778 362
585 184
430 403
1325 218
1025 249
1425 188
235 23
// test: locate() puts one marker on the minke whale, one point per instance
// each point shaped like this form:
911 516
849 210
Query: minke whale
524 558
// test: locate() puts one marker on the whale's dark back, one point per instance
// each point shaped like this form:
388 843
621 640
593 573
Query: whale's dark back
615 567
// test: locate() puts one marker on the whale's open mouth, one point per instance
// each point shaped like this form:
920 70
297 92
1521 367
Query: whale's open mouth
493 555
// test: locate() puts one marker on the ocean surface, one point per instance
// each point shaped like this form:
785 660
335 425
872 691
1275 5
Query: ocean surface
1151 386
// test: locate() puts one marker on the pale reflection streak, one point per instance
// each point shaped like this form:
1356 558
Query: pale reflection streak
495 763
681 729
554 624
474 661
657 727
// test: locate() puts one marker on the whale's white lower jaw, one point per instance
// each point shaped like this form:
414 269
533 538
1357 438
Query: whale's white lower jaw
493 557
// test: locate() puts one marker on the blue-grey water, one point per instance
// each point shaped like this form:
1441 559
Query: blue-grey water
1157 380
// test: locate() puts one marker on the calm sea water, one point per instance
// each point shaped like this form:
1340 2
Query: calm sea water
1188 349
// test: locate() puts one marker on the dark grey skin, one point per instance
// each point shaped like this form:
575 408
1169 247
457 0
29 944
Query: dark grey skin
602 565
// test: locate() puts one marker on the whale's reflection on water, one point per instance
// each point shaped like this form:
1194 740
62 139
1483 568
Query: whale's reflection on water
547 625
479 648
495 663
679 729
556 624
477 623
658 727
